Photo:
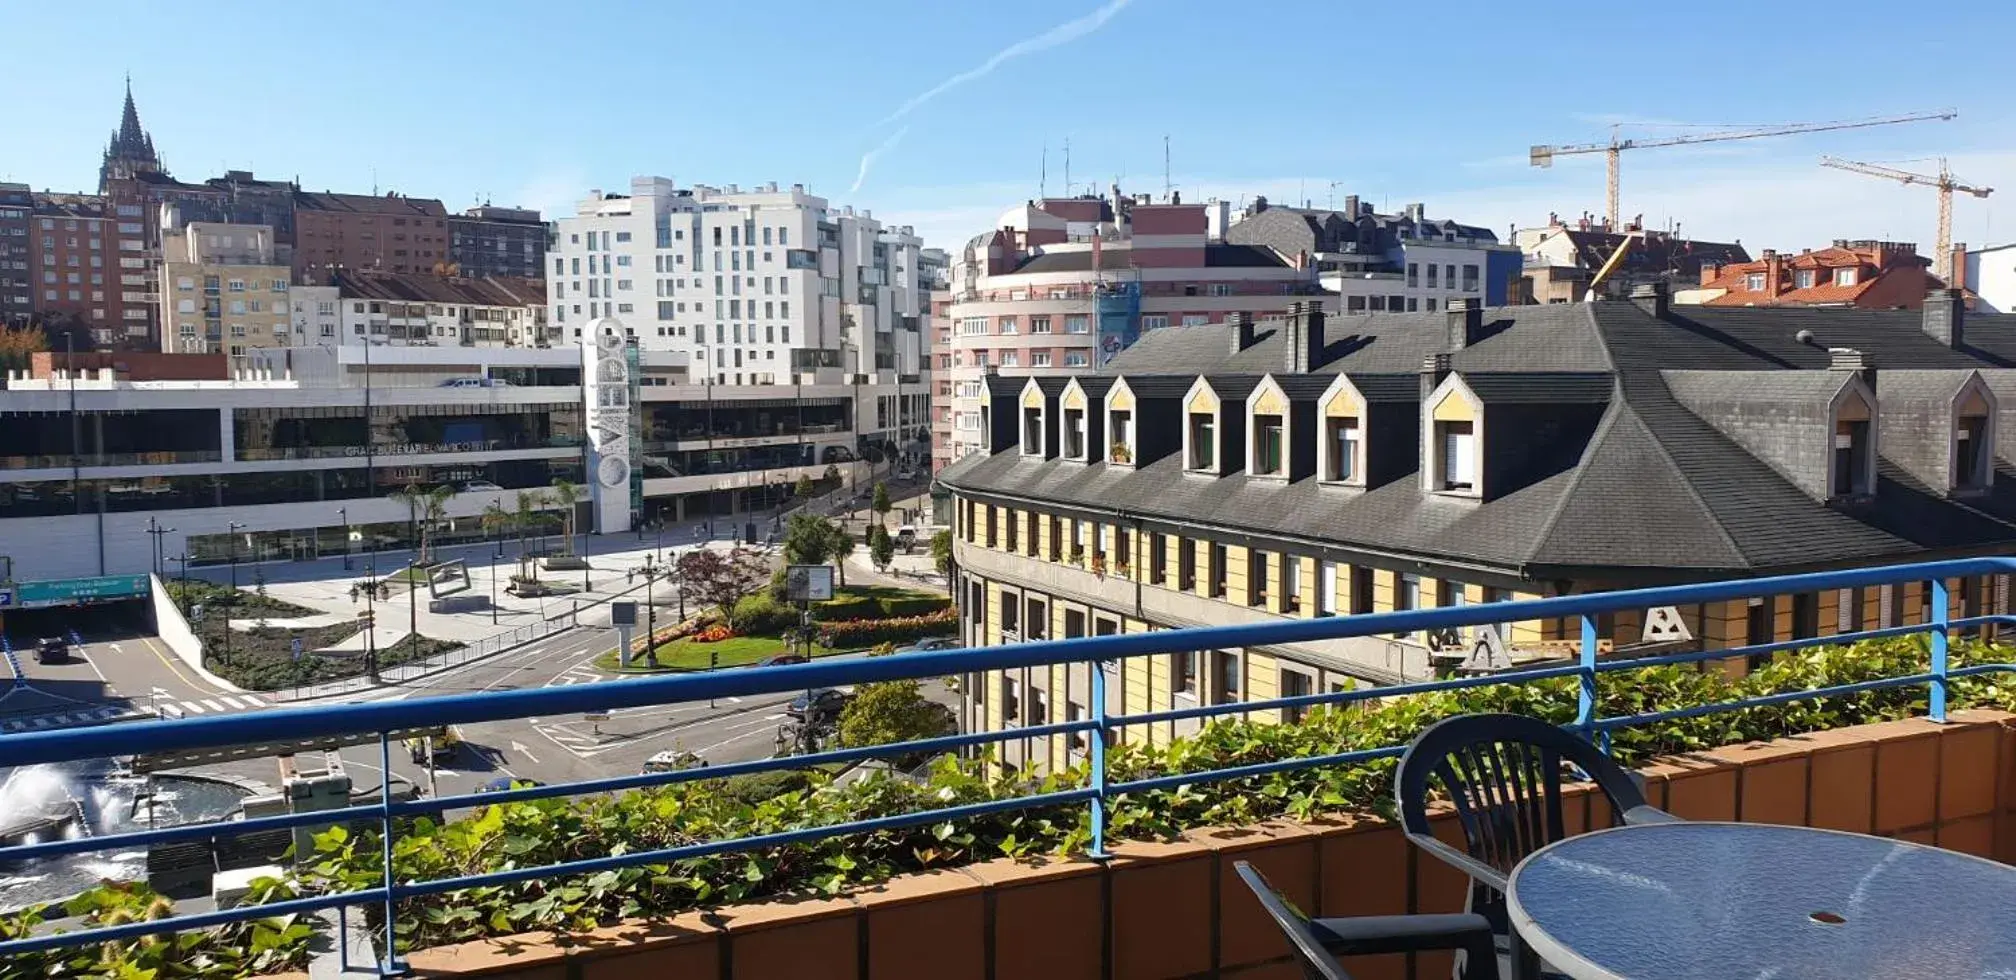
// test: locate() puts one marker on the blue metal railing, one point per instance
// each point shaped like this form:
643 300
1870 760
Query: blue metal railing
383 718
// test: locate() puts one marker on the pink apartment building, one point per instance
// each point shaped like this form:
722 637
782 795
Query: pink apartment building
1062 284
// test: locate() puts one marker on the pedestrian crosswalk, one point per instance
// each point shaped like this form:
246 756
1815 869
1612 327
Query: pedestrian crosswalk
94 715
221 704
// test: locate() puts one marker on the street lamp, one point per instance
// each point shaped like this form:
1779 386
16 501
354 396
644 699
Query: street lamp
232 528
184 559
343 514
155 529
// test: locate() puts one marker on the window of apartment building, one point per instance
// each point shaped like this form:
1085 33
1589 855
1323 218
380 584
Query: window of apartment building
1220 570
1225 673
1844 277
1469 278
1851 457
1203 441
1295 684
1972 452
1014 527
1056 539
1039 358
1406 595
973 325
1032 432
1076 324
1291 583
1039 324
1361 590
1074 433
1326 588
1257 564
1008 325
237 285
1183 672
1340 465
1037 623
1195 319
1268 448
1414 275
1805 278
1076 358
1456 453
1186 565
1154 321
1754 282
1011 358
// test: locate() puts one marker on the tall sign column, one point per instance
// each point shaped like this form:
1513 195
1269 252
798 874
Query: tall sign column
605 377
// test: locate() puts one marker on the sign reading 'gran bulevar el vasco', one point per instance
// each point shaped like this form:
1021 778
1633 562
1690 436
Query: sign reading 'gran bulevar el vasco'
605 374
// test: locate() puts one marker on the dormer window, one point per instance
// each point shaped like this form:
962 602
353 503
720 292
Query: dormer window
1268 449
1341 438
1971 452
1851 458
1805 278
1032 432
1844 277
1456 456
1074 433
1754 282
1120 436
1203 441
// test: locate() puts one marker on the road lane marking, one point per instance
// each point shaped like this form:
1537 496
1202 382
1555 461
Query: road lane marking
175 668
191 708
212 705
255 702
235 704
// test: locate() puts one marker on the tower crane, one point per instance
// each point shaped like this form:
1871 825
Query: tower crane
1942 260
1543 156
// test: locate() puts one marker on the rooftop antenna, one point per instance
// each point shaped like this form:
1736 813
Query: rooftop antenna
1165 167
1067 166
1043 174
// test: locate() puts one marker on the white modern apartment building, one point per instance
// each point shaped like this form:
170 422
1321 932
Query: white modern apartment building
1060 285
753 284
1380 263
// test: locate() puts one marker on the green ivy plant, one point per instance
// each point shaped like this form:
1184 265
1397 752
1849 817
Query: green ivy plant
542 832
250 948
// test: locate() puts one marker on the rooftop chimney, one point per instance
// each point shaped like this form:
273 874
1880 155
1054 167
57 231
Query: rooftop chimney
1957 260
1304 330
1945 316
1351 206
1434 368
1242 331
1709 271
1466 323
1773 270
1650 297
1850 359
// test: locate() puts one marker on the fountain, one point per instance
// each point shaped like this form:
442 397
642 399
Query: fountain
47 802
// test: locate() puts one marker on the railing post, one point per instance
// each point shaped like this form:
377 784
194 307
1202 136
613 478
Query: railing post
388 963
1939 619
1098 745
1585 700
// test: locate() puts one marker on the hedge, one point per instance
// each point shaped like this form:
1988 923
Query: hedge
546 831
867 632
855 607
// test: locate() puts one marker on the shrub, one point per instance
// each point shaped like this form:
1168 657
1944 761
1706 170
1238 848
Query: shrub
867 632
915 605
765 613
840 609
757 788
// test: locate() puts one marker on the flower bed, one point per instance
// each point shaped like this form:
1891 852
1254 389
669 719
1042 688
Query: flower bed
902 629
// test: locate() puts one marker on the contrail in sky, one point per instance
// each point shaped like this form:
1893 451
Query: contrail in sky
868 158
1061 34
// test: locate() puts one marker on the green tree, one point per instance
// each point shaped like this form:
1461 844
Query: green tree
941 552
839 544
892 711
566 494
881 547
427 508
526 515
880 503
807 539
832 473
804 488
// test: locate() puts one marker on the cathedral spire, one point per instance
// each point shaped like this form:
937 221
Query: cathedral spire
131 150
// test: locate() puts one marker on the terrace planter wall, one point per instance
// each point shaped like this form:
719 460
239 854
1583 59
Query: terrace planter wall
1175 908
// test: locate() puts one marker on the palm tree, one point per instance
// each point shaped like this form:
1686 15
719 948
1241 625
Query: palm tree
566 494
524 517
427 509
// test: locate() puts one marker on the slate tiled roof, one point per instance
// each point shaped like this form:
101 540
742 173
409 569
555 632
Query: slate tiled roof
1655 492
1120 257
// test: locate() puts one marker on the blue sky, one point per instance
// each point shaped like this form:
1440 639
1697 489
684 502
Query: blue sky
534 103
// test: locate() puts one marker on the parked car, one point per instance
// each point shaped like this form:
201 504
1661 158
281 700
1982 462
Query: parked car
502 783
52 650
819 705
906 537
475 383
673 760
929 644
480 486
782 659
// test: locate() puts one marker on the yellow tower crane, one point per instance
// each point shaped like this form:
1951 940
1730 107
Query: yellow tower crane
1942 259
1543 156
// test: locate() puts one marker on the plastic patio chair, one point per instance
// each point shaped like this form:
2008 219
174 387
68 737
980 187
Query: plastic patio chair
1502 773
1318 942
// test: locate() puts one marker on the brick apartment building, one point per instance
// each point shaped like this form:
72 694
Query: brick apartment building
1868 275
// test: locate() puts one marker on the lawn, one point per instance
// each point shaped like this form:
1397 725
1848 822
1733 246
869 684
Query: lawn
736 651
